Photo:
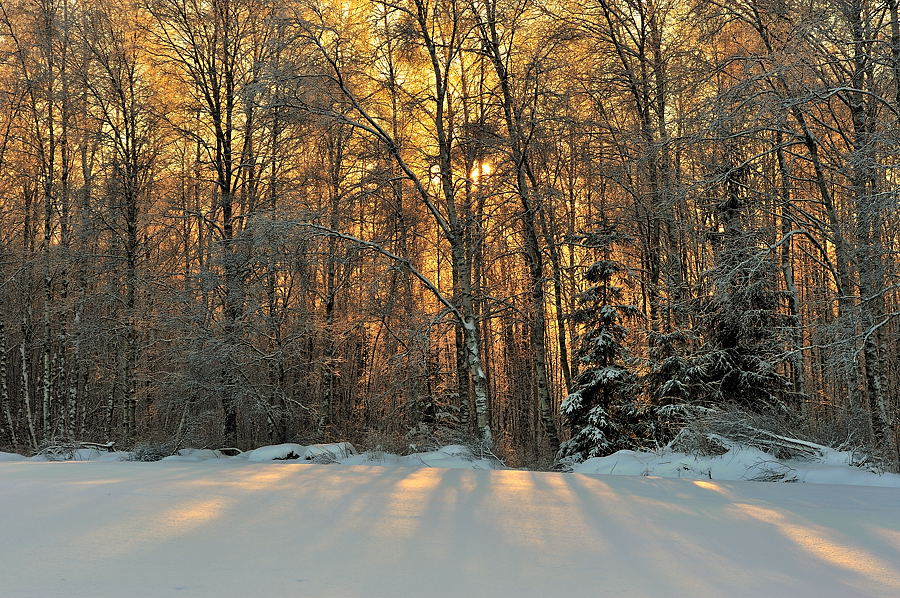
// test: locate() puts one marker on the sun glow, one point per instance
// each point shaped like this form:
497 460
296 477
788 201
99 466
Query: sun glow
480 170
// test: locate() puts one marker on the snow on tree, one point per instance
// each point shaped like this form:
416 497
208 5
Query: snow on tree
674 380
740 324
600 411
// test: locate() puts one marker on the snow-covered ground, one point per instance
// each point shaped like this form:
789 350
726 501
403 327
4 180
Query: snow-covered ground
741 462
738 463
342 453
219 528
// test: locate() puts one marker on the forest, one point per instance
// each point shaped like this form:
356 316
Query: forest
549 228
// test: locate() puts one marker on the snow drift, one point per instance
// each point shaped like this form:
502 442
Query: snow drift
740 462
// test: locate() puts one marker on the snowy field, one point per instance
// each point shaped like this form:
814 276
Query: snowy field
236 528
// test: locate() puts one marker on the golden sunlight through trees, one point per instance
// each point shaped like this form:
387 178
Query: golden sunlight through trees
549 228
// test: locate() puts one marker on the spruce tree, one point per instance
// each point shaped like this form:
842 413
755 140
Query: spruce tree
600 412
674 382
739 322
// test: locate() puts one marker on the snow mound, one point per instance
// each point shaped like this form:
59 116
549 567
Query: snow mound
321 453
70 454
193 455
739 462
453 456
279 452
343 453
329 453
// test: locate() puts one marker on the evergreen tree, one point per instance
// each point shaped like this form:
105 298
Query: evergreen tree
730 356
740 325
600 412
674 382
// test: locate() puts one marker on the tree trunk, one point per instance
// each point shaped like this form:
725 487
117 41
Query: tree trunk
864 187
537 324
4 389
790 284
26 383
